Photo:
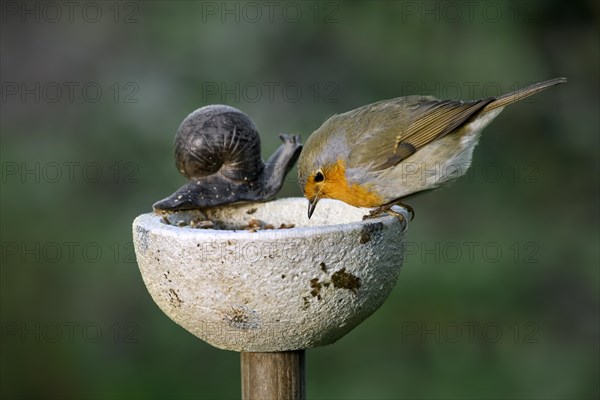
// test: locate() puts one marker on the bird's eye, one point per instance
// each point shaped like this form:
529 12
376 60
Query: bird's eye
319 177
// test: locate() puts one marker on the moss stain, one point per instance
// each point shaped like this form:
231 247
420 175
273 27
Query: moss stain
340 280
174 298
237 317
241 318
316 288
344 280
369 231
306 304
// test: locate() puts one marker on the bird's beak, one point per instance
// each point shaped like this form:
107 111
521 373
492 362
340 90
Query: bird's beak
311 205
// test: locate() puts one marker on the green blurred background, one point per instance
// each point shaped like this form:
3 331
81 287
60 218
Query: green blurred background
499 294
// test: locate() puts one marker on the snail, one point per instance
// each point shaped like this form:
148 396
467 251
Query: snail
217 148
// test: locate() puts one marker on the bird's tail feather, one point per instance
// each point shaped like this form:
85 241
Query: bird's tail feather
520 94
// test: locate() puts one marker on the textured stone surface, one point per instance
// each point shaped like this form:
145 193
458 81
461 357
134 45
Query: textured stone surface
270 290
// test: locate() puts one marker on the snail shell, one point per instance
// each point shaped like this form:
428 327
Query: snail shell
217 148
218 138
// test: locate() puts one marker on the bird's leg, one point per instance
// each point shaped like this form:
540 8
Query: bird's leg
375 213
408 208
398 215
387 209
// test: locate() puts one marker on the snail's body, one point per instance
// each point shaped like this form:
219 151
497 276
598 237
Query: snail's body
218 149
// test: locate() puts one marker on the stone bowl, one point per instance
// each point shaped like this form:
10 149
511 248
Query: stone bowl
242 288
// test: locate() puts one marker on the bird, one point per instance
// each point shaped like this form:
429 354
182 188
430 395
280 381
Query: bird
378 154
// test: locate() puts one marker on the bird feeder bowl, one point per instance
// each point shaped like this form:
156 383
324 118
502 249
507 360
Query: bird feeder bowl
283 289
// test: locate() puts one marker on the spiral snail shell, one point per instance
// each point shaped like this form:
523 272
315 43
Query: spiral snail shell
217 148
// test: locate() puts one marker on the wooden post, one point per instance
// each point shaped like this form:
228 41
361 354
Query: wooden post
273 376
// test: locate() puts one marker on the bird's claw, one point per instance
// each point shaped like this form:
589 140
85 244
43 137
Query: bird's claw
408 208
379 211
399 216
387 208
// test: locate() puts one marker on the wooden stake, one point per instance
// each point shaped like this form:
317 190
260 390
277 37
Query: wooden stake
273 376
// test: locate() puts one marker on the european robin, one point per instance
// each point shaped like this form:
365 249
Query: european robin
378 154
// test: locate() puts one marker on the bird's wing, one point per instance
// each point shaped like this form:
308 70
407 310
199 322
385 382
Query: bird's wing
388 138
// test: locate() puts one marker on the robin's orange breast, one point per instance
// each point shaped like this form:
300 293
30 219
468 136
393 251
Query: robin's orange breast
336 186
